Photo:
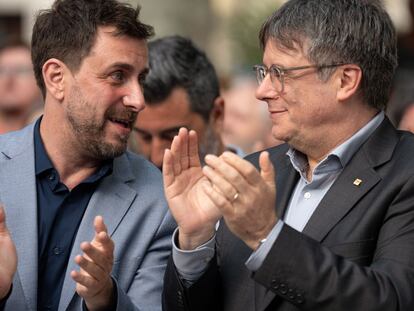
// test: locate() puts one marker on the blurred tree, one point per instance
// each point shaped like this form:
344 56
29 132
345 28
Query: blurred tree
243 32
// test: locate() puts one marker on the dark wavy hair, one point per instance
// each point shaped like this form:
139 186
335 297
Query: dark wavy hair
68 30
176 62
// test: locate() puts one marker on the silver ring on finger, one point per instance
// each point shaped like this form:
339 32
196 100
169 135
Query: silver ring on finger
236 195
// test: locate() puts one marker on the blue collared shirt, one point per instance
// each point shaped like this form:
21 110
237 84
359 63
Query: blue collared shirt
60 212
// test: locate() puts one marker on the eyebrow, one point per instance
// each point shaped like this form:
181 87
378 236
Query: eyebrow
128 67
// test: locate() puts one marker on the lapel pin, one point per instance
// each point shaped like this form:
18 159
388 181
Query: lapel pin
357 182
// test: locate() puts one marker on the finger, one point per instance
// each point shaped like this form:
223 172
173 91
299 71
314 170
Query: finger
103 258
103 242
228 172
168 168
218 199
219 183
175 151
267 170
99 224
194 156
244 167
3 227
90 268
84 279
184 160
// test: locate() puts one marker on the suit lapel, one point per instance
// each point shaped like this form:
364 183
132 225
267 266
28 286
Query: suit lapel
347 191
112 201
18 193
341 198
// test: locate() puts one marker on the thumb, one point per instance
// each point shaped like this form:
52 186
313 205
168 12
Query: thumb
266 169
3 227
99 225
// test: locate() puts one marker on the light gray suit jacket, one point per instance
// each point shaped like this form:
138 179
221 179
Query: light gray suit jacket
133 206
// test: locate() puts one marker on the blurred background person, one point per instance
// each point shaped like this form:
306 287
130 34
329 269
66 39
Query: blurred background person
246 123
181 90
19 94
407 119
401 108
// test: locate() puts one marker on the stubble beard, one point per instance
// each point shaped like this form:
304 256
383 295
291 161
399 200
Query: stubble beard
89 131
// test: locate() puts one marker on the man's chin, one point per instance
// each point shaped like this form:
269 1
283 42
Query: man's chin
107 151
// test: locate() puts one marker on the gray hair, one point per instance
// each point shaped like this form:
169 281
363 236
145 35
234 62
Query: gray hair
340 31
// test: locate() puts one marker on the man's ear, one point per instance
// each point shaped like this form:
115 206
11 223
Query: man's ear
54 77
217 115
350 81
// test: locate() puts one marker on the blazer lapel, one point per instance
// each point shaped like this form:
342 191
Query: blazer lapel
112 201
347 191
18 194
342 196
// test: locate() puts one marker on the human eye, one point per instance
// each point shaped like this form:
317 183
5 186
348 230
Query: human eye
142 77
276 71
146 137
169 136
117 76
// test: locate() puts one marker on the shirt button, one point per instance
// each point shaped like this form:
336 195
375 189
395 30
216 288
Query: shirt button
57 250
52 177
307 195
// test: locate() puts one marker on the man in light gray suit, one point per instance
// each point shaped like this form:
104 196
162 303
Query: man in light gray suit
68 179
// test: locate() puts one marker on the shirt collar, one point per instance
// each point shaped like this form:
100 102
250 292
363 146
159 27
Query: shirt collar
344 151
42 161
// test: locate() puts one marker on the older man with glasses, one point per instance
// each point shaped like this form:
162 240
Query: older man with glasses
328 222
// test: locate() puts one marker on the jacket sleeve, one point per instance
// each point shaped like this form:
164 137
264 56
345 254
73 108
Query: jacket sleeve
203 295
311 276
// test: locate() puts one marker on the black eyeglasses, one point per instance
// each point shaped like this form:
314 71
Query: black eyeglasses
277 74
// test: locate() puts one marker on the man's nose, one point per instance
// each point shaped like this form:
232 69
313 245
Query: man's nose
134 99
266 90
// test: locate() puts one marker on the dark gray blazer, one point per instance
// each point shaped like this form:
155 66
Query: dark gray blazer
355 253
131 201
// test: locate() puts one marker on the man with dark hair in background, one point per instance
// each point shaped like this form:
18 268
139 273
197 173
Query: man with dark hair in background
68 178
181 90
328 222
19 94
